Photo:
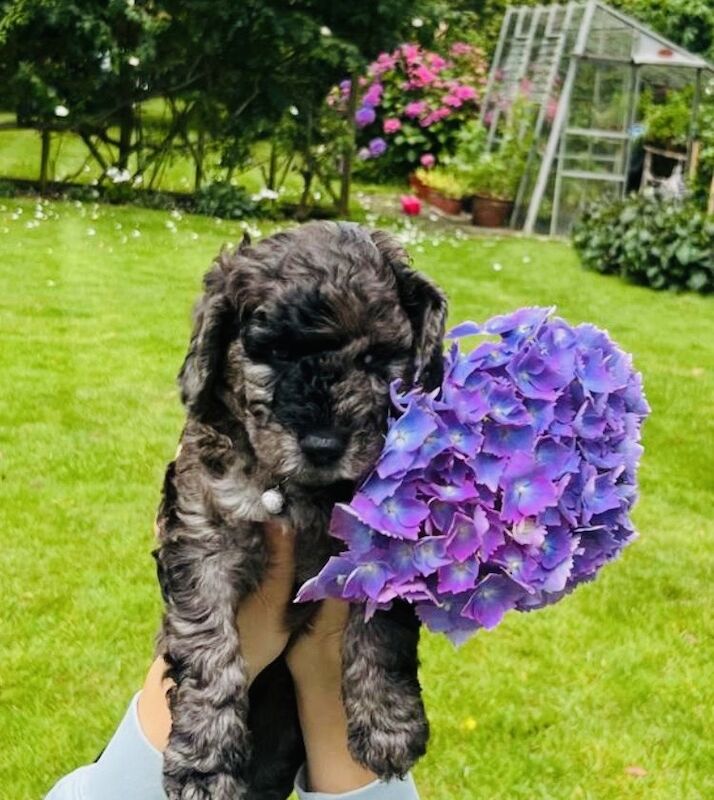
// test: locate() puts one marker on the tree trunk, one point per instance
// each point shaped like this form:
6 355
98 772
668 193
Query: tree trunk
303 208
272 166
343 207
199 157
44 160
126 131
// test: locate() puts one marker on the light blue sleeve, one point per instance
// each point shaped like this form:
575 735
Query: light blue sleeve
377 790
130 768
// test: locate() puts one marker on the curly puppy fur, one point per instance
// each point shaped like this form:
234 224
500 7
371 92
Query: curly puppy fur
286 383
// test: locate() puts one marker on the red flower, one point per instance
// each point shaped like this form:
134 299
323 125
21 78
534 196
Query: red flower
411 205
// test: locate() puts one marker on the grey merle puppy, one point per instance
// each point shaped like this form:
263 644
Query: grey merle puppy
286 385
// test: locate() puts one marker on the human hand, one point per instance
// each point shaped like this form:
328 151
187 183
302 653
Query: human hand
260 627
315 663
315 658
261 615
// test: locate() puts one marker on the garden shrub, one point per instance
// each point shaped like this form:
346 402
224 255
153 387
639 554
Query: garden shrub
7 189
412 104
84 193
658 242
221 199
159 201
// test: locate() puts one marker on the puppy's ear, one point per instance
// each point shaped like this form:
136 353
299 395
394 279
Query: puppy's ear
425 305
214 317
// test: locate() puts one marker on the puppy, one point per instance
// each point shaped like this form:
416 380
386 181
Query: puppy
296 340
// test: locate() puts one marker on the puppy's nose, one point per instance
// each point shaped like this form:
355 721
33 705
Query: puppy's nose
322 448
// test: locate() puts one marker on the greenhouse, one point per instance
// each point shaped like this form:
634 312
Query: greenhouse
590 75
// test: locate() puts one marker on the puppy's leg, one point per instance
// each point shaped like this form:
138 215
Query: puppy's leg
278 749
204 578
386 722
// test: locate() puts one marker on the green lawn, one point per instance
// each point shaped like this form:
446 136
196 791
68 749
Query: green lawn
95 310
20 158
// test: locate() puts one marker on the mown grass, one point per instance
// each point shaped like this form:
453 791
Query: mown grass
558 705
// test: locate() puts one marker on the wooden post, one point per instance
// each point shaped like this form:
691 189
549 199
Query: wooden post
694 159
710 205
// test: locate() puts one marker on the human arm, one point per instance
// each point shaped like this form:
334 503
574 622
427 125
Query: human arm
131 764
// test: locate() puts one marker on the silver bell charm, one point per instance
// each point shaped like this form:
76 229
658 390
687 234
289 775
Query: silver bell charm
272 501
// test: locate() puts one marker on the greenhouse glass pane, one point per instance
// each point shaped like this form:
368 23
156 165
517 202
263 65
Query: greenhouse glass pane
601 96
610 37
576 195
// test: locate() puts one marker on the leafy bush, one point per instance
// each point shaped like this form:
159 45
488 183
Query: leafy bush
653 241
442 181
7 189
667 122
222 199
85 194
160 201
412 104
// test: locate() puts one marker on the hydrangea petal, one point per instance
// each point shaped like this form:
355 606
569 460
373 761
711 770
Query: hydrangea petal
495 594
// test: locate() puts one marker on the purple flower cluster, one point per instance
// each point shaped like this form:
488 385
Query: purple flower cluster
501 490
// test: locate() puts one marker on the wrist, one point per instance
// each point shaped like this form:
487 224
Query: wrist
330 767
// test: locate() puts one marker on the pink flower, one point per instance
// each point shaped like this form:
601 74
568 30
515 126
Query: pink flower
424 75
411 51
384 63
427 160
373 95
436 62
465 92
415 109
452 100
411 205
460 49
392 125
435 116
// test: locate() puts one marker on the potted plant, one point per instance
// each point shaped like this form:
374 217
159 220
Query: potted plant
442 188
667 118
493 181
493 176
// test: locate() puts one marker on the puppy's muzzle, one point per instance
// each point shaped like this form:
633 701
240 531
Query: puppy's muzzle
323 448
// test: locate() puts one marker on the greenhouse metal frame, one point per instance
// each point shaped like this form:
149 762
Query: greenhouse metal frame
582 67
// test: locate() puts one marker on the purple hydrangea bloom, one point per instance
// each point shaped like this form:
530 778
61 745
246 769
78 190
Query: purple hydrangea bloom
365 116
377 146
506 488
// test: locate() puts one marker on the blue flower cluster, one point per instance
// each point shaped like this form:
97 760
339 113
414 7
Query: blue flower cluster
504 488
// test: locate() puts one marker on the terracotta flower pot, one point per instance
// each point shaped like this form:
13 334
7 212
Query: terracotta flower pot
488 212
420 189
447 204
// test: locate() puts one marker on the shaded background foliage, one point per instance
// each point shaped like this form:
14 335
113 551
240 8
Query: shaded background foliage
142 82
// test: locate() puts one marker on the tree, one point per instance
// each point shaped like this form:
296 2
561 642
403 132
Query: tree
77 65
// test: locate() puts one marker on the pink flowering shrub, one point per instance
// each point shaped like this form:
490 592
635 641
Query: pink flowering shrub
414 101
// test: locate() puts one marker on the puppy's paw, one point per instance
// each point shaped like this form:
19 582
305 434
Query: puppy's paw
389 750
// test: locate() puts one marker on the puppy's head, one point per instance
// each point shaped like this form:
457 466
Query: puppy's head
298 338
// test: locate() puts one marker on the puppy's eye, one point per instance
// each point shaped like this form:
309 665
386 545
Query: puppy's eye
367 361
279 353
